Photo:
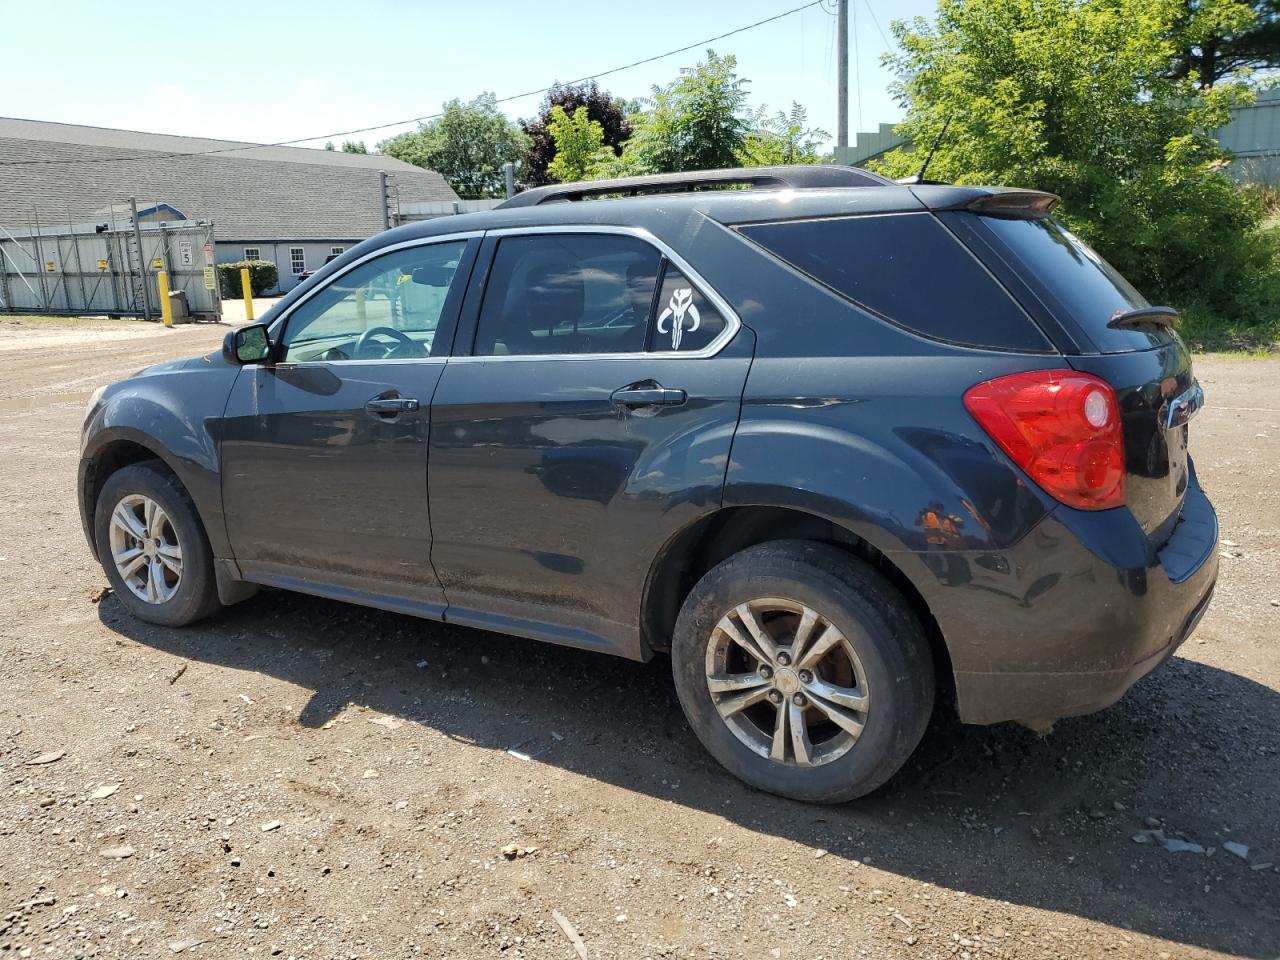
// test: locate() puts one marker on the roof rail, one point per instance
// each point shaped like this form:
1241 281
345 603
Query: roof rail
796 177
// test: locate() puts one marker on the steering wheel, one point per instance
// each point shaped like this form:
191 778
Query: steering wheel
365 340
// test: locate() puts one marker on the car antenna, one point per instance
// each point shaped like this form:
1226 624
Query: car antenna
937 141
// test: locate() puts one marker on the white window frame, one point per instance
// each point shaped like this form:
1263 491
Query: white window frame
297 264
257 253
337 251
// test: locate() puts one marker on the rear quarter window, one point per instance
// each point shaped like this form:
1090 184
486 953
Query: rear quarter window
908 269
1081 286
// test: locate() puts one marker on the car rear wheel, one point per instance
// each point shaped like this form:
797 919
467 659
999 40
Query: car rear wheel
803 671
153 547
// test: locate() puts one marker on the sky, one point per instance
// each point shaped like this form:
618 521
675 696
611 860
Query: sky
280 71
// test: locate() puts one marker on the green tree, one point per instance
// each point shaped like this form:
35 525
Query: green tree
467 145
580 149
609 111
329 146
1076 97
699 121
354 146
1219 39
783 137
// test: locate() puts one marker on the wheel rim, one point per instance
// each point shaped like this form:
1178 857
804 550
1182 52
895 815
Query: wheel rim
145 549
787 682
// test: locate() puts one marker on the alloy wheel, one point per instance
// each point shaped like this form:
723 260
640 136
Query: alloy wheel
787 682
145 549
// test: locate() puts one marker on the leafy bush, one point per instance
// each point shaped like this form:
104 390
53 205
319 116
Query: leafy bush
467 145
1077 97
603 108
1252 320
263 277
580 146
699 121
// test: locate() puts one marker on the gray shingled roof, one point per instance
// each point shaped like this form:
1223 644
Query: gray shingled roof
250 192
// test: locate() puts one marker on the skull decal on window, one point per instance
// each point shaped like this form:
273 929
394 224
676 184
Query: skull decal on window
678 308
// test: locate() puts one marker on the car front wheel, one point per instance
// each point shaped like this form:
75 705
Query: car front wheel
803 671
153 547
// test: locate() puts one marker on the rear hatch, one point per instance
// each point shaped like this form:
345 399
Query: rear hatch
1104 327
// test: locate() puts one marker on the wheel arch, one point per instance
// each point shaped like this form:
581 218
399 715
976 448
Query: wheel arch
113 449
694 550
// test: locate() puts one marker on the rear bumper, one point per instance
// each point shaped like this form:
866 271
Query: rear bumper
1038 697
1088 610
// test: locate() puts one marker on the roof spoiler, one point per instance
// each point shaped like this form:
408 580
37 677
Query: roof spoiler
794 177
1015 204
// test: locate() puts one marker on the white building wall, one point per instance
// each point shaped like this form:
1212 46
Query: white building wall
278 252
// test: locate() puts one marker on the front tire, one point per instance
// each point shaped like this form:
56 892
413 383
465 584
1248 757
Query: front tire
803 671
153 547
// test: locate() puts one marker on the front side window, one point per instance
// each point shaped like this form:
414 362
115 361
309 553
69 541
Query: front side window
297 259
568 294
252 253
386 308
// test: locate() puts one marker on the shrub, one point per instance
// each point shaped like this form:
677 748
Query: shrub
1076 97
263 277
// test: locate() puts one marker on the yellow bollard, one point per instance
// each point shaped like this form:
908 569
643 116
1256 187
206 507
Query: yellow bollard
166 308
247 289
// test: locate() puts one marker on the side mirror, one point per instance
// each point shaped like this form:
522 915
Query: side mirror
247 344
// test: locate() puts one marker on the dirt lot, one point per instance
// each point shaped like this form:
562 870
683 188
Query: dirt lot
300 778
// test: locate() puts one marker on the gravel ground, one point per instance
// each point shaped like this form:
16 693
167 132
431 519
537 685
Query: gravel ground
299 778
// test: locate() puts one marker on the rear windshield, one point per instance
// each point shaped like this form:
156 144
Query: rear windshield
909 269
1087 289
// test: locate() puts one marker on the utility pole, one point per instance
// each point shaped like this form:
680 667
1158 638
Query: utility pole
842 83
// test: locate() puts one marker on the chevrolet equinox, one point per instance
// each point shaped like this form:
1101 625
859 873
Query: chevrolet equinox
835 443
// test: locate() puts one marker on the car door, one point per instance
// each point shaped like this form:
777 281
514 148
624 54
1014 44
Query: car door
591 421
324 451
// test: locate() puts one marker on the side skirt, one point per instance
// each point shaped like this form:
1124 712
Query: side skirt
513 626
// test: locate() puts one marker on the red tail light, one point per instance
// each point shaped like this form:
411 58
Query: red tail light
1062 428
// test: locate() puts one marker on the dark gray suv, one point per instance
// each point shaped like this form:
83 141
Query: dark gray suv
834 443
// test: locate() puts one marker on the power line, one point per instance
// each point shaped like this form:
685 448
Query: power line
400 123
876 20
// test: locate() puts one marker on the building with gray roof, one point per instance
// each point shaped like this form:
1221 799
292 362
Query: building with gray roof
293 206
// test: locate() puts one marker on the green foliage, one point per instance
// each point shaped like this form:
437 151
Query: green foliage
328 145
354 146
1076 97
781 138
263 277
580 147
467 145
699 121
605 109
1216 39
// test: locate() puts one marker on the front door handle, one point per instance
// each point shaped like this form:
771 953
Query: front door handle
648 395
390 406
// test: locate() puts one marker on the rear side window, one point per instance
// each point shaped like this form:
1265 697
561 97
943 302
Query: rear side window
908 269
686 319
568 293
1085 287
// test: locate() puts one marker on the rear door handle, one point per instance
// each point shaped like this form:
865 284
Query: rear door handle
648 396
390 406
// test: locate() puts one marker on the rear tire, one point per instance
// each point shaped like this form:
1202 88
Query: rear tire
153 547
860 695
